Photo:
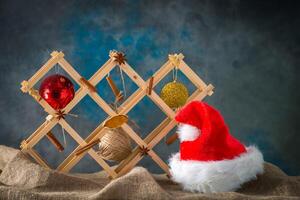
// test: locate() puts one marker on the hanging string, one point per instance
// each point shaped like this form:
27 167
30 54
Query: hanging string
174 73
63 130
64 136
61 115
56 68
123 82
115 106
73 115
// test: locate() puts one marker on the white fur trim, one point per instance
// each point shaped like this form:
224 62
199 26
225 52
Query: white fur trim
187 132
217 176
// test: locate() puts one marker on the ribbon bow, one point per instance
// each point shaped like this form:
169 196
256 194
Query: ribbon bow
175 59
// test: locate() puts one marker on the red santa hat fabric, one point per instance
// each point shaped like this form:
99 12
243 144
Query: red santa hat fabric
215 142
210 158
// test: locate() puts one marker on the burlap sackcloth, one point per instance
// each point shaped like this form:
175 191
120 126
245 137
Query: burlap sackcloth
21 178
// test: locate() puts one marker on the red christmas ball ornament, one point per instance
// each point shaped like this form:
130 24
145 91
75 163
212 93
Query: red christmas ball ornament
57 91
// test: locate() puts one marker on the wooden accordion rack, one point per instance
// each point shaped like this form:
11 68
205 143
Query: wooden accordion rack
87 87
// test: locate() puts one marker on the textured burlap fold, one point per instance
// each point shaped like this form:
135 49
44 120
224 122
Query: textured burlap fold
21 178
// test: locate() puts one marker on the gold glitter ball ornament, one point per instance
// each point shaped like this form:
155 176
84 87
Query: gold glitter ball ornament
174 94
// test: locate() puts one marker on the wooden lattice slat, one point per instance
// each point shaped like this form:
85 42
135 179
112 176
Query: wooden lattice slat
87 87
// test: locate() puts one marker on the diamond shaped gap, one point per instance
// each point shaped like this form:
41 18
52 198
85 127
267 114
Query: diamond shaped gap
105 91
150 165
86 165
152 65
146 115
174 147
48 151
163 151
89 116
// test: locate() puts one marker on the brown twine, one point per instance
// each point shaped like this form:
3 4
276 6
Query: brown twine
115 145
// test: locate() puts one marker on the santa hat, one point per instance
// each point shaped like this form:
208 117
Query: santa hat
210 159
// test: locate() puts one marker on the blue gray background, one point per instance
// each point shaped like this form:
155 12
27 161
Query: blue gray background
249 50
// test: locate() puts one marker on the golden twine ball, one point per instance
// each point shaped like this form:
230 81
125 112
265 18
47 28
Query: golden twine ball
115 145
174 94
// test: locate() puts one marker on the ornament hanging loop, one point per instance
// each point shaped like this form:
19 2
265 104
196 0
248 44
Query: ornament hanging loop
175 72
175 60
56 68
